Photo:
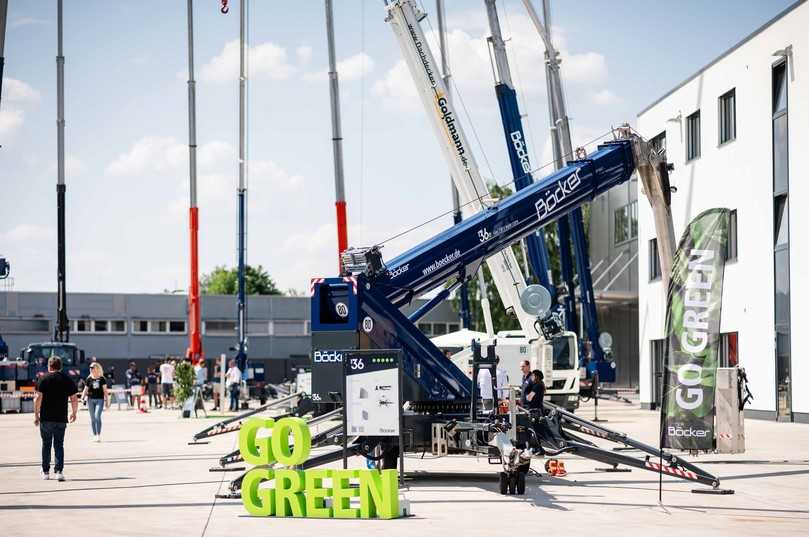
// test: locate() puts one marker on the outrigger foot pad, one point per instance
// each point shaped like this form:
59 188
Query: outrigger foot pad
198 443
713 491
228 496
234 469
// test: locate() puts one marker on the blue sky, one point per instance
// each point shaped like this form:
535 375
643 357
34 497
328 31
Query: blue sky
126 133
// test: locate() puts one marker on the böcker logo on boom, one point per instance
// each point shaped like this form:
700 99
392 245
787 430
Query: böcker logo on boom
551 198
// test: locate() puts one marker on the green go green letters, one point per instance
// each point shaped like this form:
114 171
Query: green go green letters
303 493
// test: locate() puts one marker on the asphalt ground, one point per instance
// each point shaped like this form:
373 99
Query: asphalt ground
144 479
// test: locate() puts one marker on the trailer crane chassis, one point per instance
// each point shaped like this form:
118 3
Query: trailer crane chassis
360 310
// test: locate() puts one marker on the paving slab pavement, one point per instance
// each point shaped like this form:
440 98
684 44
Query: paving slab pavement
143 479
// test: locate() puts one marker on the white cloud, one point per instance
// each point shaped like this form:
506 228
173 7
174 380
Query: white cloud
266 60
10 120
215 154
604 97
27 233
471 64
351 68
27 21
585 68
74 166
156 154
304 54
274 176
17 91
152 154
397 86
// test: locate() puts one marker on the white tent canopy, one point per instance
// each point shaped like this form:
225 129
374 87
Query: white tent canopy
459 339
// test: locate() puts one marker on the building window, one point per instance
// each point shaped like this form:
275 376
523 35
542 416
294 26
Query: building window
439 329
453 327
24 326
220 328
99 326
781 252
654 261
658 144
258 328
727 117
692 127
728 349
781 226
426 329
142 326
289 328
732 252
626 222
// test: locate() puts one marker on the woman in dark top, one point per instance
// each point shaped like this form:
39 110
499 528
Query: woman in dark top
95 392
536 390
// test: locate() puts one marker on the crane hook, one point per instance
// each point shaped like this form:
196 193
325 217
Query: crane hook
224 7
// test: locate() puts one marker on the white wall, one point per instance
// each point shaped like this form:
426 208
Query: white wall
738 175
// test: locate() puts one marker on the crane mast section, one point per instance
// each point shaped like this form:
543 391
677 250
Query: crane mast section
503 266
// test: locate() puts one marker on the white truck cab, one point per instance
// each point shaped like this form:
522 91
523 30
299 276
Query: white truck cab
558 359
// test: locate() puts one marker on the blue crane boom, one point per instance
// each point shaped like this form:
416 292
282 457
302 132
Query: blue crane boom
464 246
366 302
536 250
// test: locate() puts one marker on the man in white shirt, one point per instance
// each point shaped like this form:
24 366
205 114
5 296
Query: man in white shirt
486 388
233 380
167 382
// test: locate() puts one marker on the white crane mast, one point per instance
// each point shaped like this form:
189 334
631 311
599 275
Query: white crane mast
508 278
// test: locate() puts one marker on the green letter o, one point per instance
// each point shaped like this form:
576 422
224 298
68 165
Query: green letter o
302 441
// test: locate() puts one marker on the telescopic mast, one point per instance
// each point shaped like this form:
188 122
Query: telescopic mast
194 351
62 329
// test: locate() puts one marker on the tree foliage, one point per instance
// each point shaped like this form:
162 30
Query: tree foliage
183 381
500 319
225 281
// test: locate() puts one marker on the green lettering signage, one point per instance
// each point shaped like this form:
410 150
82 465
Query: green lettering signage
316 493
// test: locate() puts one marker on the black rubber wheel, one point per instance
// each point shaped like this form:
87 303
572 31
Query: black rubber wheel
503 483
520 483
512 484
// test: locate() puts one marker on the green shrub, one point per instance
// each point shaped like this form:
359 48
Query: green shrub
183 381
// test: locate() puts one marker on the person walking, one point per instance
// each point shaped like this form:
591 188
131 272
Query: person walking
233 380
151 387
97 397
167 383
50 415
